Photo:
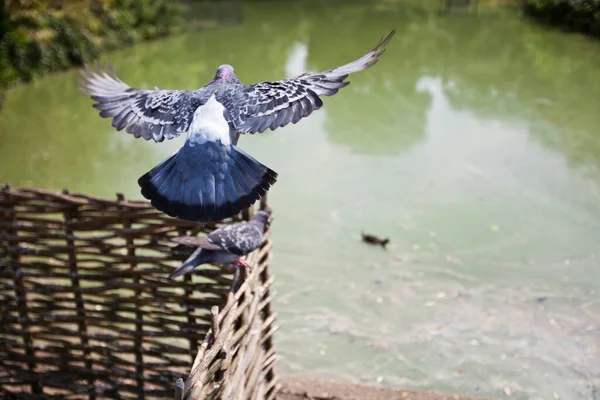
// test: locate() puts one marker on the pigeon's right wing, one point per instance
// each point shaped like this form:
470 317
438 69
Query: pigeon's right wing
275 104
152 114
239 239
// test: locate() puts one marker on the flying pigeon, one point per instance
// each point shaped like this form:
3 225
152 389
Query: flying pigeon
226 245
210 178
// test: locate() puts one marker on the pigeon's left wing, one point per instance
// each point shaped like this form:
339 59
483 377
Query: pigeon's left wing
239 239
152 114
275 104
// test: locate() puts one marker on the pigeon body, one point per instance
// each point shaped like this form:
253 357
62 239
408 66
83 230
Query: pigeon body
224 246
210 178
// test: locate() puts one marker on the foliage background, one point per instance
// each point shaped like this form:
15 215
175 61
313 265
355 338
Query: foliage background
576 15
40 37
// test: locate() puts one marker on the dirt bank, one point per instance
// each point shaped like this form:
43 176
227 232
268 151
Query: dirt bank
294 388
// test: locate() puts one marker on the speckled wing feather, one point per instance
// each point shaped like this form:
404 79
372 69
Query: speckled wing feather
240 239
152 114
275 104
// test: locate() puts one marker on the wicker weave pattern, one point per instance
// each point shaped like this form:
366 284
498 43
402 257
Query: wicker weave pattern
87 311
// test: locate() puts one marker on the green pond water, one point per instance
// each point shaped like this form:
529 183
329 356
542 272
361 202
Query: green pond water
473 145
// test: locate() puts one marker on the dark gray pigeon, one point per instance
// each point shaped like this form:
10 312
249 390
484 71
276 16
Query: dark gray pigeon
210 178
224 246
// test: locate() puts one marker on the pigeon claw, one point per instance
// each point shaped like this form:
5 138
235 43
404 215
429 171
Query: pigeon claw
239 263
244 264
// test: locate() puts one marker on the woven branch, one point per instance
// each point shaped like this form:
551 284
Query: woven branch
87 310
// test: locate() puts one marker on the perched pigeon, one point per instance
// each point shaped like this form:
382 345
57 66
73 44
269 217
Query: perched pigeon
210 178
224 246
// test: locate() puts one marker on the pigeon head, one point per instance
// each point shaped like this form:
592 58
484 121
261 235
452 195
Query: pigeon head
261 218
225 74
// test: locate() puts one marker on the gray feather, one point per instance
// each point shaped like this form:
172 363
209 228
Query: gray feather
225 245
203 256
196 241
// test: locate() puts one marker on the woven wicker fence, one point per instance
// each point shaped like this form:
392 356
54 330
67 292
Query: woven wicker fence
87 311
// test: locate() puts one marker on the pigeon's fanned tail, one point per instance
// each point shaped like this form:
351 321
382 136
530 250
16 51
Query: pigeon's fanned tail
206 183
198 257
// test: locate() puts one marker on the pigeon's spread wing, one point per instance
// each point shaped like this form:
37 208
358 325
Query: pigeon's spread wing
276 104
152 114
240 239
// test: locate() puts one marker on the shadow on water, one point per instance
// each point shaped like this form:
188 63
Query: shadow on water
472 145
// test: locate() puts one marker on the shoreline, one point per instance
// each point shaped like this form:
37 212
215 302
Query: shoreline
298 388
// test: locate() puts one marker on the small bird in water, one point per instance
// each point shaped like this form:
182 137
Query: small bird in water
210 178
226 245
372 239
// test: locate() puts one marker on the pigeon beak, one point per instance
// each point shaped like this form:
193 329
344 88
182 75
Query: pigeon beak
268 223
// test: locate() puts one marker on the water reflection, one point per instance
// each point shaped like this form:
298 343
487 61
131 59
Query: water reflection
472 144
296 63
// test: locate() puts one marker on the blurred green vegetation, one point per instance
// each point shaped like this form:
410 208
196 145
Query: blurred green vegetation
576 15
39 37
